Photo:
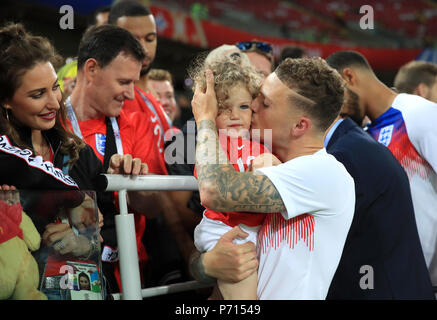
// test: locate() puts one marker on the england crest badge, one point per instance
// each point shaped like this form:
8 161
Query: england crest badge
100 143
385 135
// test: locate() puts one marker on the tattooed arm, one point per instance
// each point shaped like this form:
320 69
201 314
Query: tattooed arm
221 187
224 189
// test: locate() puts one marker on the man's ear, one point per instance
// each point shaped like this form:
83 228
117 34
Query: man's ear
301 127
349 76
90 69
422 90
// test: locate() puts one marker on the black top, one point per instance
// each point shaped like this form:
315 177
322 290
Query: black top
183 149
16 171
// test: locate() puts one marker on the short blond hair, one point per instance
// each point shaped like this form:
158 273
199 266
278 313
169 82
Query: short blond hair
321 87
159 75
414 73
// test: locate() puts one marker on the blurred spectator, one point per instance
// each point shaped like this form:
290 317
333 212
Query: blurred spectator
260 55
292 52
418 77
184 103
199 11
67 78
160 84
100 16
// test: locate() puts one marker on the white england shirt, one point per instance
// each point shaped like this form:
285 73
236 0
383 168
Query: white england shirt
299 249
409 130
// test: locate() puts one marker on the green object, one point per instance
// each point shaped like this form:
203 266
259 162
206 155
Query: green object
199 11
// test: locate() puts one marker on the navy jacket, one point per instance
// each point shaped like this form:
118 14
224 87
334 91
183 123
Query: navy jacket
383 234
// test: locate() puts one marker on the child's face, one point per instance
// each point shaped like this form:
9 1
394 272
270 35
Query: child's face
236 116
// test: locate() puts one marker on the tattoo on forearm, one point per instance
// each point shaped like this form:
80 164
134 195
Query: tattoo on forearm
197 269
233 191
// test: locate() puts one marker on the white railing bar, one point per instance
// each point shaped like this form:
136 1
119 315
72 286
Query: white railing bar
115 182
172 288
122 201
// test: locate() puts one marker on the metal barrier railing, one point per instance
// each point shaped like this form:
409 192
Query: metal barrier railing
125 228
115 182
162 290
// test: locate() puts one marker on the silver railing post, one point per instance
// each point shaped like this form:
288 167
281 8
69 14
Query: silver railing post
115 182
127 251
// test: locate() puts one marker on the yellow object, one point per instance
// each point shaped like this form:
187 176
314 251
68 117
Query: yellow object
19 274
67 72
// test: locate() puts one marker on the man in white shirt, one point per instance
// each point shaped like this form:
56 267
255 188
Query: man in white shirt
309 198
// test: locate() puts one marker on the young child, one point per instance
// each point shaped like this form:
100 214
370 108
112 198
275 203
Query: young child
236 85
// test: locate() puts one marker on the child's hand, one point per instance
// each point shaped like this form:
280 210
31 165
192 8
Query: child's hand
264 160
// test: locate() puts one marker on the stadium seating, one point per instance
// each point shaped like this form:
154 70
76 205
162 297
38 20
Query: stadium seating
329 20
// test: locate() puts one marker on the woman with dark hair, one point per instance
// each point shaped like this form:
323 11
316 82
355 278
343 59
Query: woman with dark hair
32 115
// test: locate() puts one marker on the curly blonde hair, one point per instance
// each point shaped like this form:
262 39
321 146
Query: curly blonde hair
228 71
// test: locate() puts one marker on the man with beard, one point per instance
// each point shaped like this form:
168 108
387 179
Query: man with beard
405 124
351 108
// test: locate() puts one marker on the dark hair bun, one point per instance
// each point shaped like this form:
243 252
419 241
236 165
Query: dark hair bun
11 33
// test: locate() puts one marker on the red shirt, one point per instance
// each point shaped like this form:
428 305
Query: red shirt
137 138
159 120
240 153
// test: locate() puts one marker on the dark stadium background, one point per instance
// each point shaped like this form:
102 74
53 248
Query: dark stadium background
403 29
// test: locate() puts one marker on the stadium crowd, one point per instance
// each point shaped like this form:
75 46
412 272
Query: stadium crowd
309 170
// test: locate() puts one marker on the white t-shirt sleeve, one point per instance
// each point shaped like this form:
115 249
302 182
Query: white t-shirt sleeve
420 117
317 184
